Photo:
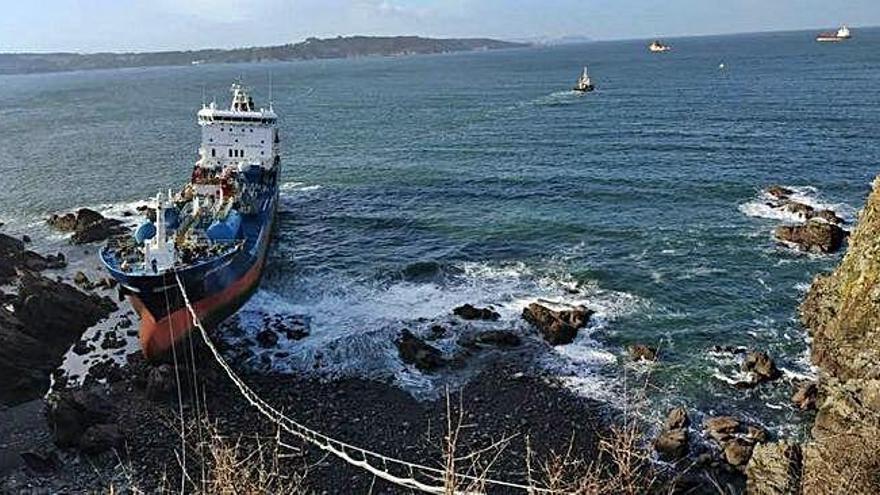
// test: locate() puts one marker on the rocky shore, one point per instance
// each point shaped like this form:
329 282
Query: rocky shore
120 427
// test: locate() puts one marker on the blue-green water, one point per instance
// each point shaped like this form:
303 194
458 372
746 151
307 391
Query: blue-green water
416 184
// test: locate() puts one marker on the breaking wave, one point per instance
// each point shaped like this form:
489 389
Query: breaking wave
353 323
767 206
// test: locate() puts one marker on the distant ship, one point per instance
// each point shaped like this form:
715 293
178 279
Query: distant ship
842 34
584 83
212 236
658 47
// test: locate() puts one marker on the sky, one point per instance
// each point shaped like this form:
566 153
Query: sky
147 25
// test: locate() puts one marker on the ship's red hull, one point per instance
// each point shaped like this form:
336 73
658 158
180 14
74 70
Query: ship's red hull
159 337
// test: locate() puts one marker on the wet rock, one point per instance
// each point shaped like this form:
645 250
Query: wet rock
829 216
100 438
469 312
805 396
71 412
557 327
438 331
161 382
804 210
106 283
775 469
107 370
86 225
721 428
112 341
48 317
737 452
26 239
82 281
814 236
82 347
672 444
677 418
641 352
761 366
779 192
413 350
267 339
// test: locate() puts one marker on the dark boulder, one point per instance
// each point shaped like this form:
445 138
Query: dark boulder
761 366
71 412
112 340
641 352
672 445
100 438
814 236
779 192
86 225
737 452
677 418
48 317
469 312
829 216
413 350
557 327
82 281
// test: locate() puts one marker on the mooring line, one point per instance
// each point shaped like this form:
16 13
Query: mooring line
341 449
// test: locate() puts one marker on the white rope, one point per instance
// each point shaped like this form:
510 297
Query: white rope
338 448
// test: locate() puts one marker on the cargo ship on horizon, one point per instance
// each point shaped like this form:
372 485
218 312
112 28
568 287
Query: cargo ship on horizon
212 235
842 34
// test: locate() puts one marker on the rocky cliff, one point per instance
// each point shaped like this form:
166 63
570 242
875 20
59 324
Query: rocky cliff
842 313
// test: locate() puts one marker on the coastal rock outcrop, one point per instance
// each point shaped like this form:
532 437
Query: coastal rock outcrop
813 236
86 226
415 351
83 419
842 313
775 469
642 352
469 312
46 318
558 327
735 438
805 396
672 443
761 367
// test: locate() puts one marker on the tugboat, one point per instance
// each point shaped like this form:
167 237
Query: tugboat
212 235
842 34
658 47
584 84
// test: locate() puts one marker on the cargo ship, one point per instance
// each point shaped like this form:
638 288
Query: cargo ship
212 235
842 34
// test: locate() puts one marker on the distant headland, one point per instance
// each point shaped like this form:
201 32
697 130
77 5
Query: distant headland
311 48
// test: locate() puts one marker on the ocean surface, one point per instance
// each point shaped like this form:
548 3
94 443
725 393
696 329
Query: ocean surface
415 184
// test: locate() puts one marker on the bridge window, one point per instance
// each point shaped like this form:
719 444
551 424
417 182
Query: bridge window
213 152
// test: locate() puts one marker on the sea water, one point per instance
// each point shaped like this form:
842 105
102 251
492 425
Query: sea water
414 184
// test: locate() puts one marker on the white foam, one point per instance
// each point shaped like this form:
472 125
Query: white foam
767 206
298 186
354 323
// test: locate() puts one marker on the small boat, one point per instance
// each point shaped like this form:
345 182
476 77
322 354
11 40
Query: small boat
658 47
584 83
842 34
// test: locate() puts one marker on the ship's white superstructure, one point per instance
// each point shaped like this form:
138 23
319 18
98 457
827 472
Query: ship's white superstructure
240 136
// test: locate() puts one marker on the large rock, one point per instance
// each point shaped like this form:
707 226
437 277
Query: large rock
14 257
761 367
677 418
814 236
100 438
779 192
71 412
415 351
775 469
86 225
672 445
469 312
642 352
557 327
48 317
